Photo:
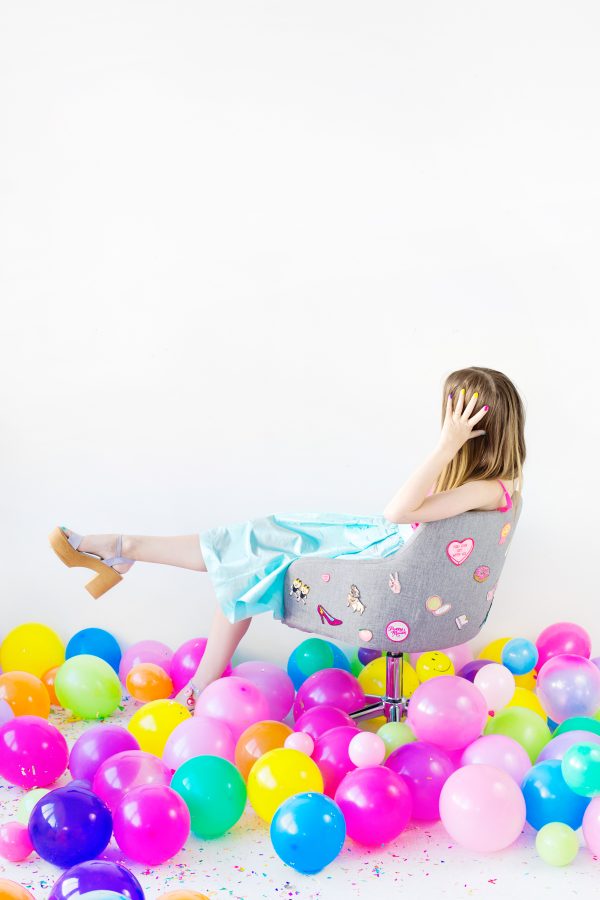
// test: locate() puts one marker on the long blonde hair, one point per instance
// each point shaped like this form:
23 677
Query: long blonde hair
500 452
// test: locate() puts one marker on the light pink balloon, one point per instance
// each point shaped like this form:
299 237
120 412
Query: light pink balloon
15 844
199 736
145 652
273 682
499 751
450 712
366 749
497 684
482 808
591 826
235 701
300 740
126 770
6 712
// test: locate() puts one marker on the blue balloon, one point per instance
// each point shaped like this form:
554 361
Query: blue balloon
520 656
97 875
308 832
548 797
96 642
340 660
69 825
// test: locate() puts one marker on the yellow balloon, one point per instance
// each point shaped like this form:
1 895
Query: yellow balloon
529 700
372 678
153 723
493 652
434 664
32 648
280 774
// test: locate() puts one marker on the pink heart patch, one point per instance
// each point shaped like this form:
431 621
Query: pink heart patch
458 551
326 577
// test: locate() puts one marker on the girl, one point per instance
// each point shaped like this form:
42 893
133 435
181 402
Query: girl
247 561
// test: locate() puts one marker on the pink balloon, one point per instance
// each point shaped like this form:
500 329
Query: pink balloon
319 719
300 740
124 771
498 751
366 749
331 756
235 701
199 736
562 637
33 753
591 826
96 745
450 712
482 808
186 660
151 824
497 684
329 687
145 652
273 682
376 804
568 685
15 843
558 746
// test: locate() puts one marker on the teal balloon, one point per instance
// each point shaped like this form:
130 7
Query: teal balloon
88 686
309 657
214 792
578 723
340 660
581 769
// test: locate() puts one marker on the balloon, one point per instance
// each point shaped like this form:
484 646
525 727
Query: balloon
312 655
557 844
366 749
496 684
591 826
524 726
450 712
95 746
331 754
482 808
6 713
558 746
365 655
104 895
319 719
376 804
32 648
331 687
549 798
278 775
372 679
213 791
26 694
186 661
433 664
519 656
88 686
578 723
151 824
48 678
340 660
257 740
26 804
183 895
70 825
470 670
198 736
561 638
235 701
394 735
300 740
33 753
145 652
308 832
10 890
498 751
153 723
425 769
567 686
528 700
580 768
126 770
147 681
273 683
95 642
96 874
15 843
459 656
493 653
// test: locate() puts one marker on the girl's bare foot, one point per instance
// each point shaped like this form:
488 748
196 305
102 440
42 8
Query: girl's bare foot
104 546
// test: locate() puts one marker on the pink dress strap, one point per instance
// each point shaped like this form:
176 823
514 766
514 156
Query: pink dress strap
508 498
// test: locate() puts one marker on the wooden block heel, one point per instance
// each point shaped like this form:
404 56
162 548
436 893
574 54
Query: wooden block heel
103 582
106 576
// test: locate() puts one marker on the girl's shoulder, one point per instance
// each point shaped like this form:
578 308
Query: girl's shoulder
499 498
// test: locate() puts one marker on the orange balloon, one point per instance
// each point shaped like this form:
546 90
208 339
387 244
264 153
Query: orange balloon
10 890
25 693
257 740
147 682
183 895
48 678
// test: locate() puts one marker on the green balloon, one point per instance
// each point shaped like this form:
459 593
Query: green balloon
523 725
580 768
579 723
88 686
394 735
356 666
313 655
557 844
213 791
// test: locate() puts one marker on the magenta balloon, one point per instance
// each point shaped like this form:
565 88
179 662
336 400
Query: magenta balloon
329 687
319 719
376 804
124 771
425 769
151 824
568 685
145 652
450 712
95 746
199 736
33 753
331 756
15 843
235 701
273 682
6 712
499 751
186 660
562 637
558 746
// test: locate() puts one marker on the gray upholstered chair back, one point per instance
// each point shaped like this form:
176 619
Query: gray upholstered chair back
435 592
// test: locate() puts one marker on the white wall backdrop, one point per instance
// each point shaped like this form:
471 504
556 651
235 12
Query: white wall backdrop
243 243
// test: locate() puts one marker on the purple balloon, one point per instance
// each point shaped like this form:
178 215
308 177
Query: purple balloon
319 719
275 685
366 655
329 687
568 685
69 825
6 712
376 804
331 756
596 661
96 875
95 746
425 769
558 746
145 652
470 670
186 660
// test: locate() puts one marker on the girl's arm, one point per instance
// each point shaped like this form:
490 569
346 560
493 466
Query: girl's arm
411 502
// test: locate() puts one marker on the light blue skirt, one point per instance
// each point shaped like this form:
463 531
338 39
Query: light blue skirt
247 561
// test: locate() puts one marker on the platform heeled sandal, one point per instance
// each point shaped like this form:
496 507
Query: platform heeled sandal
66 549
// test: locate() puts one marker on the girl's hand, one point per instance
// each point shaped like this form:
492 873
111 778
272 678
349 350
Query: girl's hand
458 423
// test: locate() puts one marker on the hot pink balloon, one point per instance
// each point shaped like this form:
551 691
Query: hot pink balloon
482 808
235 701
145 652
499 751
186 660
33 753
15 843
376 804
151 824
591 826
124 771
199 736
329 687
331 756
562 637
425 768
558 746
273 682
319 719
450 712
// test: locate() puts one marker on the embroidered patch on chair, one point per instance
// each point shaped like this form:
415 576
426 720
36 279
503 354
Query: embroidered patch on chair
299 590
354 601
458 551
326 576
394 583
397 631
504 532
436 606
490 593
365 635
327 617
461 621
481 573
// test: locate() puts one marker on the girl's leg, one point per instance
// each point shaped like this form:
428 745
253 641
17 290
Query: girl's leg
223 639
180 550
